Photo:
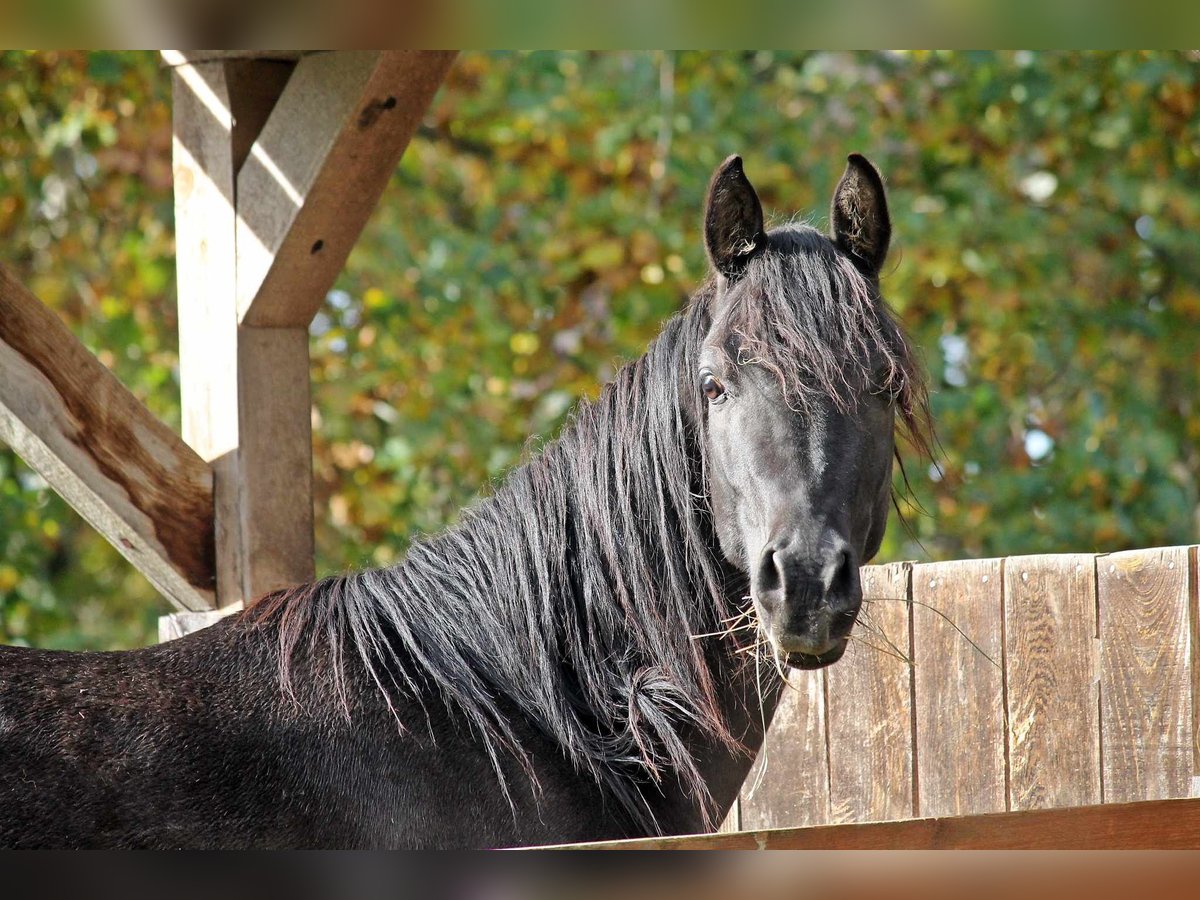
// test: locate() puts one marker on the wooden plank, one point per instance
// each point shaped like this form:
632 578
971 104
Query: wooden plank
1053 712
245 393
869 700
316 171
959 687
1145 674
125 472
1148 825
788 784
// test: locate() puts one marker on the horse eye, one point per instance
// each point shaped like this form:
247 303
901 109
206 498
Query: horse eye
712 388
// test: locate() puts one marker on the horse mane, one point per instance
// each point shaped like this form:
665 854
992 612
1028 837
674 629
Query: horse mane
574 593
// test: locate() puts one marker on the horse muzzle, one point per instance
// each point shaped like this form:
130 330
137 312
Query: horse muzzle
808 600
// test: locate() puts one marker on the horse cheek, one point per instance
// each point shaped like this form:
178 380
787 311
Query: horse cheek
724 496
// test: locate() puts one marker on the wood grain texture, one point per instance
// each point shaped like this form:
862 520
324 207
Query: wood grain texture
124 471
1148 825
1145 674
788 784
245 392
959 687
1053 712
316 171
869 701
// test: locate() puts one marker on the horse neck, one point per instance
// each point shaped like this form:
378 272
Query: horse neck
748 694
573 599
745 695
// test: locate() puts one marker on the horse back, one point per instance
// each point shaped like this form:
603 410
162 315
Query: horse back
193 743
144 748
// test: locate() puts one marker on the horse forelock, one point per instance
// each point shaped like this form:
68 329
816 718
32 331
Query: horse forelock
805 313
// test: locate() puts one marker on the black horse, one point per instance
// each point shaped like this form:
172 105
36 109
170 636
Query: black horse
590 654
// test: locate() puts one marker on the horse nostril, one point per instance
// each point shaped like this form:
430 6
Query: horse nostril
769 577
841 572
844 586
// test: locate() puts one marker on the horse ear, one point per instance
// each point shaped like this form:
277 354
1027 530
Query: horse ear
733 219
859 215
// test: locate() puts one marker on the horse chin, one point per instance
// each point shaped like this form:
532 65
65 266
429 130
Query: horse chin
820 661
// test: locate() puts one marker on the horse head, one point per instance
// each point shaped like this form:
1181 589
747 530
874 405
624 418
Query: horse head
799 379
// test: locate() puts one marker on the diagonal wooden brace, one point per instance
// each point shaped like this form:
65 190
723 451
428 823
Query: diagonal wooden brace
122 469
316 171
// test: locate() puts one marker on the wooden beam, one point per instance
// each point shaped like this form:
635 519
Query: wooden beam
129 475
1194 621
1146 825
245 391
316 171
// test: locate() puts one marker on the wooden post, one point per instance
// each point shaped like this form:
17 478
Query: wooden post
278 164
254 430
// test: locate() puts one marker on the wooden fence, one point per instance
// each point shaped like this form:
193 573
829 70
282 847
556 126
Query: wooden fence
993 685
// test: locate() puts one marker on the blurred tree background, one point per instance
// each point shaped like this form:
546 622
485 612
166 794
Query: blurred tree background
544 222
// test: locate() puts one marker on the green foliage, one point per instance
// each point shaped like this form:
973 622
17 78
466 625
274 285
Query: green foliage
544 222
